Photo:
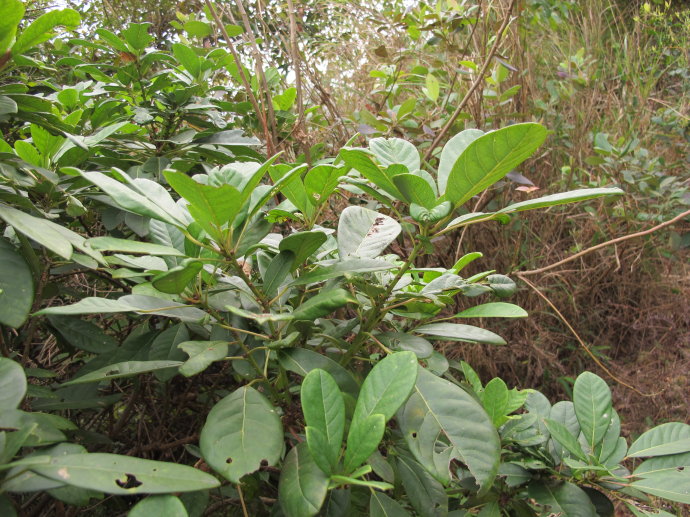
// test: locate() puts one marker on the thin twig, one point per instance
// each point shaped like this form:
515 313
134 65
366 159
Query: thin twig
604 244
268 136
295 56
480 78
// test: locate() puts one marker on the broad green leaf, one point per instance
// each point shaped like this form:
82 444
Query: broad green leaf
562 198
425 493
460 332
303 485
425 438
124 369
363 439
387 386
163 505
16 287
217 205
37 229
201 355
674 486
670 438
90 305
137 35
365 233
564 499
7 105
320 182
451 152
493 310
130 200
276 272
592 400
466 425
563 412
129 246
11 13
83 334
562 435
197 29
324 410
663 465
392 151
302 244
495 401
501 285
380 505
12 384
164 348
415 190
115 474
292 188
343 268
19 479
323 304
178 278
361 161
241 431
432 89
611 450
187 58
302 361
436 213
41 29
402 341
490 157
285 100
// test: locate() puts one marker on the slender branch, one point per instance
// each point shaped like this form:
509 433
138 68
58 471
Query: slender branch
268 136
295 56
604 244
480 78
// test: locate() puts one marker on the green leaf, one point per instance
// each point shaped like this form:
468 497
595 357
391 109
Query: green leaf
7 105
285 100
323 304
495 401
493 310
423 215
592 399
129 246
178 278
16 286
365 233
490 157
343 268
41 29
451 152
360 160
276 272
562 435
241 431
663 465
324 410
167 505
83 334
415 190
363 439
674 486
12 384
562 198
380 505
123 369
669 438
37 229
197 29
292 186
187 58
460 332
564 499
320 182
201 355
137 35
302 244
466 425
392 151
11 13
115 474
303 485
217 205
387 386
302 361
425 493
432 89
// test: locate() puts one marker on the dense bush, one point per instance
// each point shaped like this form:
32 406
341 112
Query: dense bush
164 285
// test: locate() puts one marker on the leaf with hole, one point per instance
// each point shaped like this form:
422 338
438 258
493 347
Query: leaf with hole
242 432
